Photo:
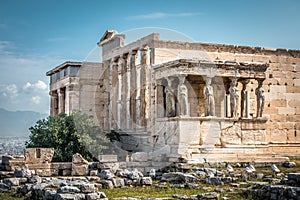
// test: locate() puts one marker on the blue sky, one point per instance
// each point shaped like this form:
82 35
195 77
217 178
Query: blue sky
36 36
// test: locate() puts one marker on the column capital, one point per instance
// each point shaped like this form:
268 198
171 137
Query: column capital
60 91
181 78
260 81
145 48
170 80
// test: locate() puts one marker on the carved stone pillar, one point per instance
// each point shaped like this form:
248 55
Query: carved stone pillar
53 103
119 99
260 98
61 100
110 95
68 107
159 99
144 96
114 94
170 98
133 88
138 97
245 99
183 97
208 93
128 91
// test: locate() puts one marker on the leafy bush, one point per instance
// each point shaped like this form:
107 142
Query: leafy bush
68 135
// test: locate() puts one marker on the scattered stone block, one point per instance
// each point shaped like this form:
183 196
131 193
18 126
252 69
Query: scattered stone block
107 184
93 172
139 157
79 165
68 189
22 173
289 164
146 181
11 181
63 196
106 174
87 188
209 195
214 181
179 177
108 158
118 182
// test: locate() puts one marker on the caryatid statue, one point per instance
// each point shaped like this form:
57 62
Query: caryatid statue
260 98
183 96
209 98
170 99
234 96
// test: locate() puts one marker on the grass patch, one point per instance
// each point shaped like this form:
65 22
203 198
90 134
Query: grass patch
11 195
168 192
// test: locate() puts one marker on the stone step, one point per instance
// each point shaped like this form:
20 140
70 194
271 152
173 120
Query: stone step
233 157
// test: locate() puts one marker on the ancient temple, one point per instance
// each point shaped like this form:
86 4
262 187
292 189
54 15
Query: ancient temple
188 101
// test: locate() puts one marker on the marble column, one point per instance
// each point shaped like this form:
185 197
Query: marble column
144 95
138 97
53 103
133 88
68 108
61 100
119 99
128 91
110 97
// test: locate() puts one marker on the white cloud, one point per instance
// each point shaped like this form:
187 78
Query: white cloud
40 85
36 99
10 91
29 91
160 15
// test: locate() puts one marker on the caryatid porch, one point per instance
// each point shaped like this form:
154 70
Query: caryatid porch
199 101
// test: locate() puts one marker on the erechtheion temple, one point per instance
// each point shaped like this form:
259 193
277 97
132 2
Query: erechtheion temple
187 101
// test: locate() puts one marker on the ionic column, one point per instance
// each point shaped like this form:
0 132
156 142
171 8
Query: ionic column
110 83
53 103
128 91
114 94
245 107
138 97
61 100
144 86
119 99
133 88
67 100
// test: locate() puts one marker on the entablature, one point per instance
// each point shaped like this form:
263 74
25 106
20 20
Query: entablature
211 68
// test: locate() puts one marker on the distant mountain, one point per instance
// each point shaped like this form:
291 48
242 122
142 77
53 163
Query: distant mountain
16 124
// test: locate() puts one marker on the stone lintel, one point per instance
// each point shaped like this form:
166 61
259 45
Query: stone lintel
252 70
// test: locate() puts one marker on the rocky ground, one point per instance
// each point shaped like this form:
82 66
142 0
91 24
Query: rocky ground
175 182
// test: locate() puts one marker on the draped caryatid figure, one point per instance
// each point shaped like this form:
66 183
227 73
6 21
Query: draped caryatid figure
209 98
183 97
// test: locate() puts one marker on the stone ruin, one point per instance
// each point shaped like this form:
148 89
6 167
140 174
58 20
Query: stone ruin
185 101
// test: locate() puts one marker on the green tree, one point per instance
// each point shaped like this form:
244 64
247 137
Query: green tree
68 135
